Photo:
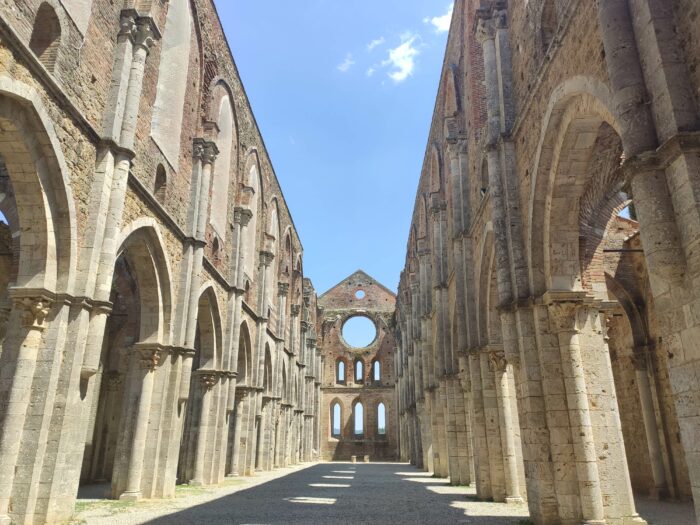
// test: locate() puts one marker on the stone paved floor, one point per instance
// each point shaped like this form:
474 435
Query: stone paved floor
334 494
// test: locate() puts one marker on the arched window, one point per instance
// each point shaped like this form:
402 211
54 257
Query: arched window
340 371
169 106
160 184
222 168
359 419
381 419
251 248
359 371
46 36
336 415
377 370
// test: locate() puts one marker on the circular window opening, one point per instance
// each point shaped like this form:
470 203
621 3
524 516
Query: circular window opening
359 332
360 294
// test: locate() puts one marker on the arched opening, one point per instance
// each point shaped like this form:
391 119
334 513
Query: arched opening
359 419
336 420
46 36
376 371
9 245
587 249
222 170
359 371
160 184
252 249
168 109
138 324
340 371
201 415
381 420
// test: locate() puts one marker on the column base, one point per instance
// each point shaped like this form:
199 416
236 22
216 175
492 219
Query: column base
131 496
5 520
517 500
232 475
196 483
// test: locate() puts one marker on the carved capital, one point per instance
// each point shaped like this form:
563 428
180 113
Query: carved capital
208 378
283 289
500 17
146 33
485 30
567 316
149 356
497 361
127 24
205 150
296 310
305 326
266 258
33 311
242 216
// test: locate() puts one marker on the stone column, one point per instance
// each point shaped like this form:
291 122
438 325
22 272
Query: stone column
262 428
146 359
502 369
640 360
208 379
567 317
241 395
32 312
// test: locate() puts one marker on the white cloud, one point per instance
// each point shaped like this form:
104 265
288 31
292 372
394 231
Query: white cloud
402 59
346 64
371 71
441 23
376 42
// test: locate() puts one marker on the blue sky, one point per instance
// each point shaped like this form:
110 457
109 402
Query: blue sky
343 92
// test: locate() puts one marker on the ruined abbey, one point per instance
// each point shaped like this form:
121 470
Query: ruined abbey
157 327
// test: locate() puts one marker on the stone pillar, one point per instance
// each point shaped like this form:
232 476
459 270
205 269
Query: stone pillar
640 361
567 319
146 359
241 395
502 370
208 379
262 428
31 312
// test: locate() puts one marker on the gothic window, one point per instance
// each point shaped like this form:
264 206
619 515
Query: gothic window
359 371
377 371
160 184
340 371
381 419
359 419
336 413
46 36
222 168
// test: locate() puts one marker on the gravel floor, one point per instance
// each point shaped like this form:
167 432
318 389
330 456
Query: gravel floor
335 494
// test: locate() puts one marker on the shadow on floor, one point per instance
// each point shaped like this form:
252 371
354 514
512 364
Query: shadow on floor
345 493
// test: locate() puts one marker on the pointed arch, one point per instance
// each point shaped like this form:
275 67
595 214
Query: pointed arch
358 417
251 197
436 178
45 41
210 333
166 125
143 249
221 183
451 105
245 361
336 418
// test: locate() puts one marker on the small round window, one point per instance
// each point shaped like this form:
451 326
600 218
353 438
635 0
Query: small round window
360 294
359 332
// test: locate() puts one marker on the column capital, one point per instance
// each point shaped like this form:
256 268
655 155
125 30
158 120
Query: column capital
497 361
266 258
485 29
205 150
209 378
296 310
283 289
242 216
305 326
33 311
146 33
567 310
149 355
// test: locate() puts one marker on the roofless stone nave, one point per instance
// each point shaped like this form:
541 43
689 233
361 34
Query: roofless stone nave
156 326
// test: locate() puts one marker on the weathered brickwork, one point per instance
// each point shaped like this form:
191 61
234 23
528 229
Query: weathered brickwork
156 326
344 386
548 346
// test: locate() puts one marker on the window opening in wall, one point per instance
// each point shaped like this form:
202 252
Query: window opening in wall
46 36
340 371
377 371
3 219
359 419
359 371
360 294
629 212
160 184
381 419
359 332
335 420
